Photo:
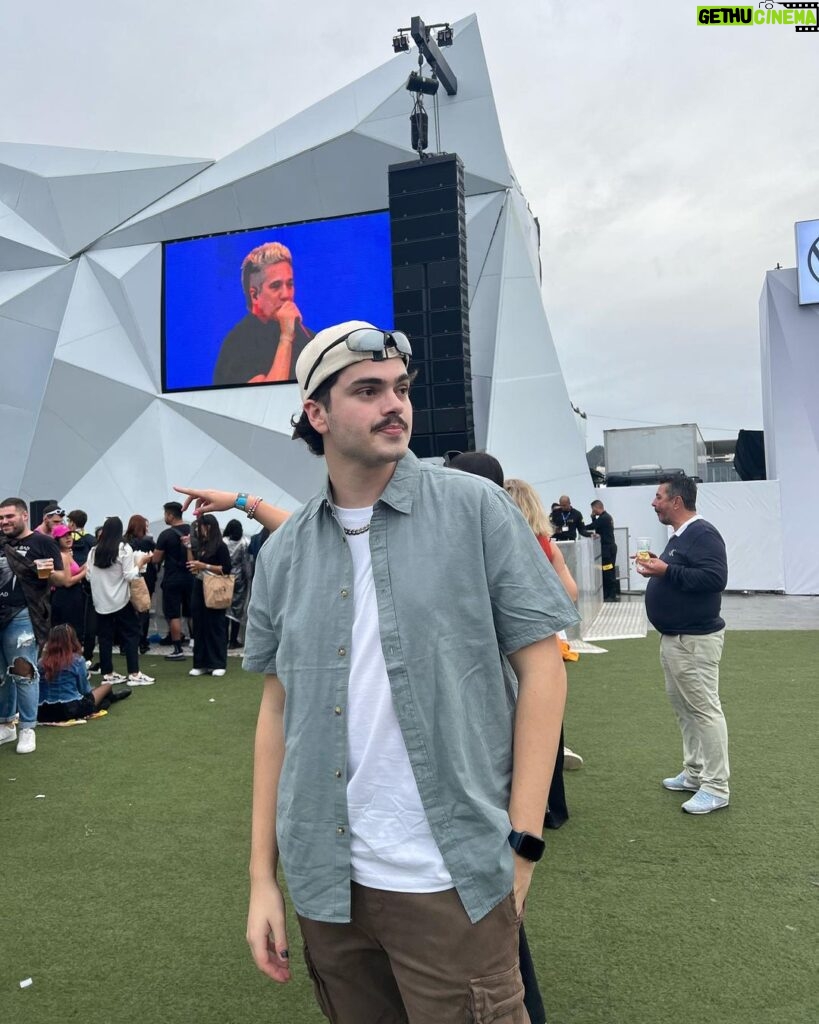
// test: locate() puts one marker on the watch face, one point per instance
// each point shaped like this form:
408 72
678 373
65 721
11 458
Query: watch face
528 846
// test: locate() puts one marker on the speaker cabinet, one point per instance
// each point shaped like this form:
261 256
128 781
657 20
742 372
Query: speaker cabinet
429 274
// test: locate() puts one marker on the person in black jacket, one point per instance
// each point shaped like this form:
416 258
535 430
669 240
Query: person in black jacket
603 525
264 346
683 599
567 521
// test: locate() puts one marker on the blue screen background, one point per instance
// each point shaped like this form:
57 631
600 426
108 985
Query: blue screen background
341 268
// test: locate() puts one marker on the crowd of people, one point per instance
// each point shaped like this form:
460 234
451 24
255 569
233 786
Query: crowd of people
68 597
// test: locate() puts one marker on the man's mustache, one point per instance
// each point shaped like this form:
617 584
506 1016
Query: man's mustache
390 421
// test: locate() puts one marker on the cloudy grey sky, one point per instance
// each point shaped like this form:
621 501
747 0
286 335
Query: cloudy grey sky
667 162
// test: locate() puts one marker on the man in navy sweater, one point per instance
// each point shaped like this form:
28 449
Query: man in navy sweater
683 600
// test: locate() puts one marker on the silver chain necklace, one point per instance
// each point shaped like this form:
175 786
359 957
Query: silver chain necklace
358 530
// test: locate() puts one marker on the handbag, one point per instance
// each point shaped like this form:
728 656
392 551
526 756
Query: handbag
218 590
140 595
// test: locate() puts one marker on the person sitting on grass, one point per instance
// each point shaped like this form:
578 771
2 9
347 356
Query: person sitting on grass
65 693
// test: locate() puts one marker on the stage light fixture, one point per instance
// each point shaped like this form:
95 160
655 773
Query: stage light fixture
400 43
418 84
445 36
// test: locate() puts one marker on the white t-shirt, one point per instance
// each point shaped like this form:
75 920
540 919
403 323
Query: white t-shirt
391 843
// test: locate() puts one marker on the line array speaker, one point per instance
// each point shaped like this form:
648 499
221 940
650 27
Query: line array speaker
429 282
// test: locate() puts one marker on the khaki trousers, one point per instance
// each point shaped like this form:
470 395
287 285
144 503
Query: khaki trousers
691 667
415 958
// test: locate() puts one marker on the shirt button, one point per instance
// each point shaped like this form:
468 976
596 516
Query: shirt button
340 830
337 773
342 651
345 593
337 710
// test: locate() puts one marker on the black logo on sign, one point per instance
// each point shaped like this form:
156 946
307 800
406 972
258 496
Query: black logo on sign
813 260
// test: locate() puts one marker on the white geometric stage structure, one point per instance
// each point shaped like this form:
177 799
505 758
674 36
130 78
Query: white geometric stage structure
81 407
790 375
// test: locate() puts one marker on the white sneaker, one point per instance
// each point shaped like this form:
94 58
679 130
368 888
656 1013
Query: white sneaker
8 733
218 672
196 672
27 743
114 677
571 761
139 679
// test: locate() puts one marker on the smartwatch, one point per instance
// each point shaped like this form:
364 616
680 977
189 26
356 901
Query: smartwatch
241 502
526 845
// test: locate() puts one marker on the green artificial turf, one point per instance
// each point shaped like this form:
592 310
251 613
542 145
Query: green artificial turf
124 889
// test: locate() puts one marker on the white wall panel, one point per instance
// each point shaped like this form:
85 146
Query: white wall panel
790 368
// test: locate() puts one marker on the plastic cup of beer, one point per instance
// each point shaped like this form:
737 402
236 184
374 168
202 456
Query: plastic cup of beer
45 567
643 549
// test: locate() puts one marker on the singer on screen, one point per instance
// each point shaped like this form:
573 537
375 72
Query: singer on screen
264 346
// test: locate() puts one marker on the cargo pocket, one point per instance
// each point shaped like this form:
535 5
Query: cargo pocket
319 987
497 999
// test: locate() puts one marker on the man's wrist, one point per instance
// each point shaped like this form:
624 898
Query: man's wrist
527 846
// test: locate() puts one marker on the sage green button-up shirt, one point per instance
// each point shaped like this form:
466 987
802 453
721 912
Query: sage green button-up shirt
461 582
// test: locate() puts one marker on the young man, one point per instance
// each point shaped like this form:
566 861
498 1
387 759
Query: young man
52 516
177 581
683 601
405 622
27 573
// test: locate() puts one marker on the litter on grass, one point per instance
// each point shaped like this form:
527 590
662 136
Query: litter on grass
40 796
26 983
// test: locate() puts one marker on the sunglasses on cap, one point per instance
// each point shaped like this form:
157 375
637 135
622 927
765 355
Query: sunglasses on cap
59 512
365 339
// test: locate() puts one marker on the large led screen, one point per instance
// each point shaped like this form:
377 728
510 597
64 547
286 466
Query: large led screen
239 308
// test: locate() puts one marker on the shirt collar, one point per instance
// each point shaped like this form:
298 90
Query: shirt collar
398 493
681 529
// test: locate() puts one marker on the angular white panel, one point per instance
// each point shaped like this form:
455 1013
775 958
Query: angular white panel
22 247
81 416
35 296
92 337
274 455
524 346
268 407
132 281
484 225
73 196
30 315
483 324
532 432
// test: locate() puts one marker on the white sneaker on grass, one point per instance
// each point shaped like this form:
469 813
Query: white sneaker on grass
113 677
571 761
8 733
218 672
27 743
702 803
139 679
196 672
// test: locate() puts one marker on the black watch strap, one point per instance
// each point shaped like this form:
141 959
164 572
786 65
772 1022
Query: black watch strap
526 845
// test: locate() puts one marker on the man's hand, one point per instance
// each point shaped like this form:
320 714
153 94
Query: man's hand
267 930
524 869
287 316
651 567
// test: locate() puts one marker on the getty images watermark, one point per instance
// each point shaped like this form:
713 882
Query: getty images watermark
803 16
